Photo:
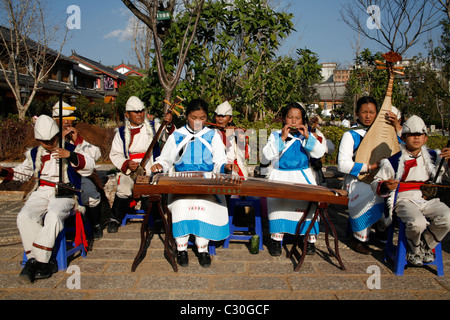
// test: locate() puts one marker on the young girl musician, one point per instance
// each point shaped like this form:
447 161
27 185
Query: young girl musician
195 147
290 150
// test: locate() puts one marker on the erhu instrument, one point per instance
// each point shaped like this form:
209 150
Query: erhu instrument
63 189
381 139
432 189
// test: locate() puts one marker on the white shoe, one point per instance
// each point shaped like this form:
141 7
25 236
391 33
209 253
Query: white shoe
428 254
416 259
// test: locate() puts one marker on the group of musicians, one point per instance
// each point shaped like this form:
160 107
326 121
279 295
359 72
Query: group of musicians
217 148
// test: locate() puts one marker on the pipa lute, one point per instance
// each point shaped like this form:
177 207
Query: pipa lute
380 140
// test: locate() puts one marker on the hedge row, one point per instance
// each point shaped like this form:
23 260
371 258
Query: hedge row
16 136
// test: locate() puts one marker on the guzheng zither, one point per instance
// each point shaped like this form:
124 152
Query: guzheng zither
210 183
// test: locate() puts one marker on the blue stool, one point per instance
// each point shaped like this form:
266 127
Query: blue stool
135 214
236 201
397 253
60 251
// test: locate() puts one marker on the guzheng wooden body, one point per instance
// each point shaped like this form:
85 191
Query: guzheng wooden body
381 139
207 183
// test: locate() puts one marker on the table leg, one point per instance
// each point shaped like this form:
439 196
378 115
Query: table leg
145 232
305 240
170 247
323 214
294 250
326 218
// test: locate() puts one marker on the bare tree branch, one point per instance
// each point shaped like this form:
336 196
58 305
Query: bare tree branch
402 21
25 47
168 81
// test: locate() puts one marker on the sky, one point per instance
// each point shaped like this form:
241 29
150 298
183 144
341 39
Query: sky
104 28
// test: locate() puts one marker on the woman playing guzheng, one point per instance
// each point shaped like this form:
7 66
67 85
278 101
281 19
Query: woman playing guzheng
195 147
290 150
365 207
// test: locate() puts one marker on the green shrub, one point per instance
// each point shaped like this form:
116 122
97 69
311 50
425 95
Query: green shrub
436 141
334 134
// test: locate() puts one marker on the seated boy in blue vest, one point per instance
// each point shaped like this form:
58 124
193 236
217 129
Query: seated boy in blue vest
400 178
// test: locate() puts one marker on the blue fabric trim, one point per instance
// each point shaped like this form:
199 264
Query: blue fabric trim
289 226
279 143
305 176
201 229
69 146
356 169
356 138
122 136
310 143
368 218
433 155
33 154
292 169
394 160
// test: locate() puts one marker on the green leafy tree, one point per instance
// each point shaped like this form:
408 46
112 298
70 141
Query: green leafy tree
429 82
234 54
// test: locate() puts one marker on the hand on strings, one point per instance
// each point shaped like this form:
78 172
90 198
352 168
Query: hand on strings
156 168
230 167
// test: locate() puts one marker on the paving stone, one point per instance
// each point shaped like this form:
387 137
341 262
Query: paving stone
250 283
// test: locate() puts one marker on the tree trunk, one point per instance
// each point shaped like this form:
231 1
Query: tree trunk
168 96
21 110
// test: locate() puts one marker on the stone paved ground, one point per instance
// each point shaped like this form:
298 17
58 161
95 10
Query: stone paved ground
235 274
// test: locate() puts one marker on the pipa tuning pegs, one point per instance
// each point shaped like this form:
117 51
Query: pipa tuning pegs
392 57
